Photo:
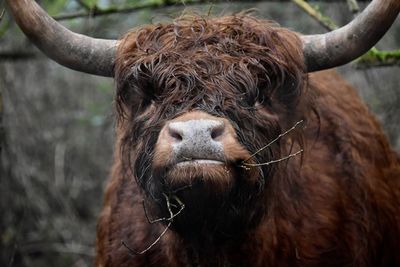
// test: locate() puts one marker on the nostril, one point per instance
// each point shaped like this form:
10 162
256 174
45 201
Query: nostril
175 135
217 132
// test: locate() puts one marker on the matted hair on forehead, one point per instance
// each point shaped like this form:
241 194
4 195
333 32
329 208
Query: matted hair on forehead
237 54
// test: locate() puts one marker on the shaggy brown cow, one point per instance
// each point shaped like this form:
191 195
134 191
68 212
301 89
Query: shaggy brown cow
229 154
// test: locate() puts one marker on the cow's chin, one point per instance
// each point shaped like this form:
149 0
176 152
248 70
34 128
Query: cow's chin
217 198
216 176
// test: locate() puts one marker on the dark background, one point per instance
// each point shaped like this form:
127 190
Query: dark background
57 126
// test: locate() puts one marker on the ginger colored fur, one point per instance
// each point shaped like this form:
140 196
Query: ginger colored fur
336 205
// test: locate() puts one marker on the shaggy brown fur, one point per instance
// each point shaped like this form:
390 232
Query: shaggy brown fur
337 205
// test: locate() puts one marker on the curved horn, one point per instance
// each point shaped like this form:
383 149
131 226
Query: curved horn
73 50
341 46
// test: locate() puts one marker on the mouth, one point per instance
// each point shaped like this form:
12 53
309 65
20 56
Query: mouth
199 162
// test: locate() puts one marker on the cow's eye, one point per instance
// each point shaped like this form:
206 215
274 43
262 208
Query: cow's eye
249 98
144 98
148 93
258 104
136 97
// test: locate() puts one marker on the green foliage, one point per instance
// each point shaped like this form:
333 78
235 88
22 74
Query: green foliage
375 57
4 24
54 7
136 2
89 3
381 55
315 12
325 19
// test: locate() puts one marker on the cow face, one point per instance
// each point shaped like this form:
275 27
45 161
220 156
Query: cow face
198 99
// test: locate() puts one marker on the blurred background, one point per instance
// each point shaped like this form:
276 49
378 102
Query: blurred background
57 125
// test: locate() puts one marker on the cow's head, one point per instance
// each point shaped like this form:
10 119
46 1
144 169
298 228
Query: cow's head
198 98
